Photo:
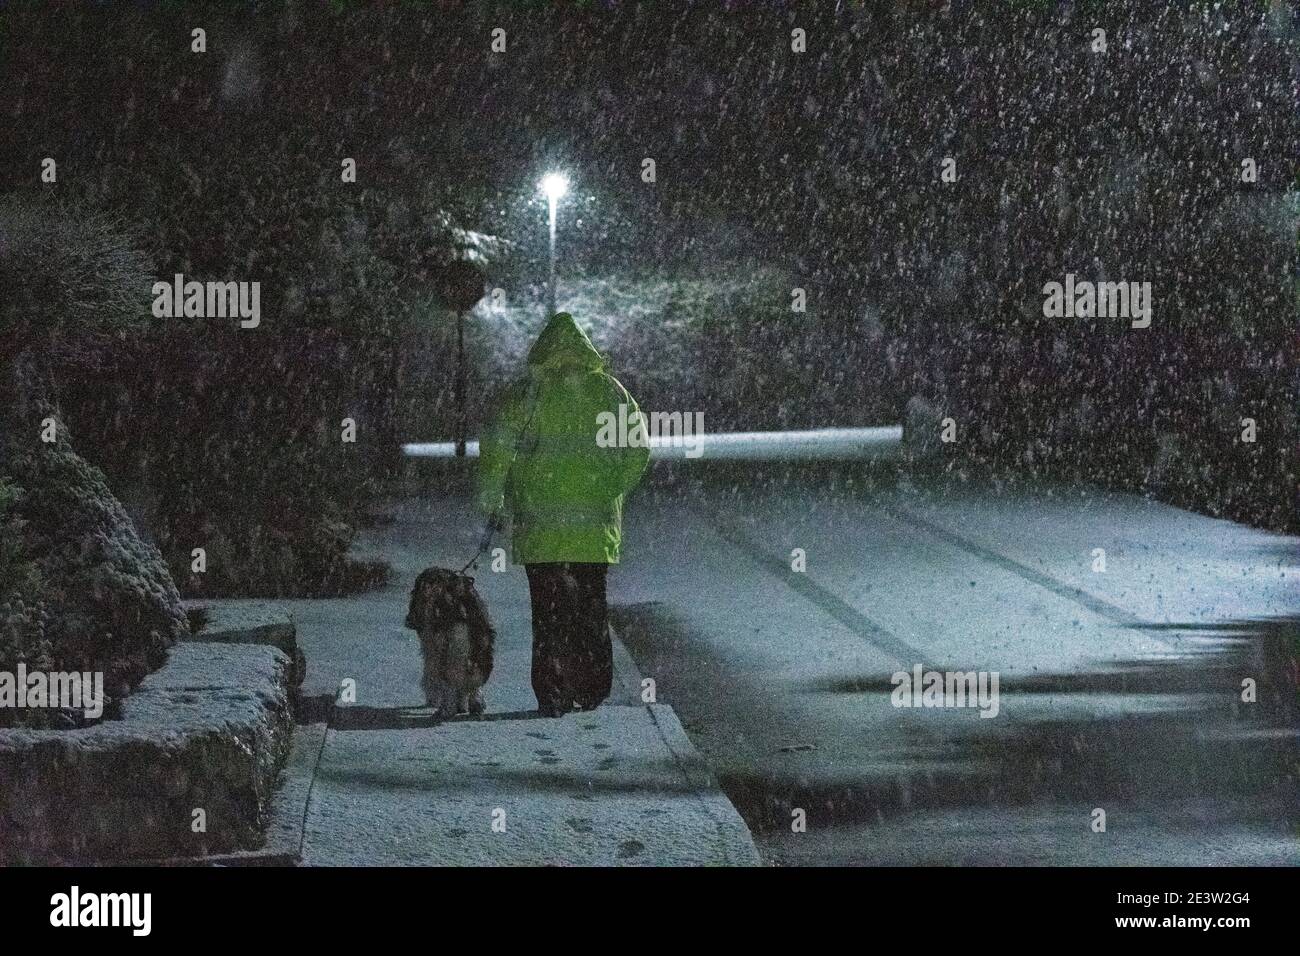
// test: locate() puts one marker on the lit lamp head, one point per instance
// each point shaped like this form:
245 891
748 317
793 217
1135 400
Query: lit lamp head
554 185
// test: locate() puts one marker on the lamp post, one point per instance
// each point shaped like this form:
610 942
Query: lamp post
460 285
555 186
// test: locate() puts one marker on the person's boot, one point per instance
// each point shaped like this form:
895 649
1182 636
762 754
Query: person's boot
552 709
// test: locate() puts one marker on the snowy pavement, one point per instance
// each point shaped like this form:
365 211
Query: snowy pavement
1119 688
620 785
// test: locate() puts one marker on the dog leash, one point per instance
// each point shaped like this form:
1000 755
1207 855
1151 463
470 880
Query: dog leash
531 396
484 543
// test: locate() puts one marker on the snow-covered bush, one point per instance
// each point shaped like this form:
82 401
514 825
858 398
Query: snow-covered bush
718 339
79 589
18 577
24 615
103 599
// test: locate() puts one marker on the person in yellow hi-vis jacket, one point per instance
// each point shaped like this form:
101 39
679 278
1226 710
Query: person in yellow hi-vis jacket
547 462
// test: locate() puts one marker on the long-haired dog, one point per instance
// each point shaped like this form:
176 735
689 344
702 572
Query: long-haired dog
456 638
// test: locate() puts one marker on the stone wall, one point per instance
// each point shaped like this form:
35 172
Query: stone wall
209 731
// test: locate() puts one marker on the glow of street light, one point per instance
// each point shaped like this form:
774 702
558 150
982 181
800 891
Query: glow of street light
555 186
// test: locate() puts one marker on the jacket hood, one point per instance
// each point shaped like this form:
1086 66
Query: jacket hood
563 343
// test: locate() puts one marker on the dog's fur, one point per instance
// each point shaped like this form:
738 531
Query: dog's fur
456 638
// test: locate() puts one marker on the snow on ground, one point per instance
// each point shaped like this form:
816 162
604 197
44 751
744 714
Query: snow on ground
783 677
596 789
620 785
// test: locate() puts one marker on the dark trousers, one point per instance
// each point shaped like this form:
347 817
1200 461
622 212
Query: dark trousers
573 662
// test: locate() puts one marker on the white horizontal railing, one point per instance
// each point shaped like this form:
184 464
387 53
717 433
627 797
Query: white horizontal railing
821 444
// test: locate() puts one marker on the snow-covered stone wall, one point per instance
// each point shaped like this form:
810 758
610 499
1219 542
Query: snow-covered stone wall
189 769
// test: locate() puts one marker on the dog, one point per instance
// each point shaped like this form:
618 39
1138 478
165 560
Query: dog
456 639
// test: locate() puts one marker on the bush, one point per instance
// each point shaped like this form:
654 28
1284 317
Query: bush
64 271
23 614
226 440
90 595
81 591
721 341
18 575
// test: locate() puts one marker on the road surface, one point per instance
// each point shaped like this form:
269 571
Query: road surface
1120 735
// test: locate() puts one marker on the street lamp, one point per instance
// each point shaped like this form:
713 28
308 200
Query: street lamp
460 285
554 185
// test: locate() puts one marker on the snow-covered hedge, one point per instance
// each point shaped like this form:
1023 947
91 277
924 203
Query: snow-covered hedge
24 615
723 341
93 596
79 589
